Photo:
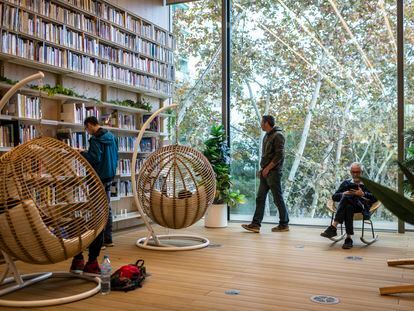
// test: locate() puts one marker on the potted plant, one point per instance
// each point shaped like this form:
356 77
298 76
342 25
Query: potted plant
218 154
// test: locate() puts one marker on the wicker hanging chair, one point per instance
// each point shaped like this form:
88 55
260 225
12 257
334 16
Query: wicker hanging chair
52 206
174 188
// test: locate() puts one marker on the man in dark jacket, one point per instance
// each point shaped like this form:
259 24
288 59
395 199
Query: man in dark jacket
353 197
271 165
103 157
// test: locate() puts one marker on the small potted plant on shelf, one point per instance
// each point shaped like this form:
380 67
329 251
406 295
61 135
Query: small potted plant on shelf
218 154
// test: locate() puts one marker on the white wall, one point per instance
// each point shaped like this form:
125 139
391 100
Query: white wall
152 10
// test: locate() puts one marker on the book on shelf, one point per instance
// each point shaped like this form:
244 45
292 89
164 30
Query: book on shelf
126 121
24 106
126 143
7 138
124 188
154 125
148 144
78 140
27 132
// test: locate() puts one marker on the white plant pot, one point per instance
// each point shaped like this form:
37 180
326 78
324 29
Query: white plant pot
216 216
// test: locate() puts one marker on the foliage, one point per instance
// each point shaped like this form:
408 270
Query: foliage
398 204
276 63
218 154
130 103
57 89
7 80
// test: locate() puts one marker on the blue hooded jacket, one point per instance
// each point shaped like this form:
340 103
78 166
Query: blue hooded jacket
103 154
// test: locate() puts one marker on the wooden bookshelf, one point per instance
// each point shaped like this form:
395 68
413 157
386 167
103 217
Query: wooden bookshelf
149 74
125 56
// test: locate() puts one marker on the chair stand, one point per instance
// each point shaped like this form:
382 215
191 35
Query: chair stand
374 236
398 289
22 281
339 237
151 243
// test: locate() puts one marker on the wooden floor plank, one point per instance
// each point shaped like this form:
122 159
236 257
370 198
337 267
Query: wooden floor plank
272 271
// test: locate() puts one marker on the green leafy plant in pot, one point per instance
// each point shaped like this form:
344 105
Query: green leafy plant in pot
218 154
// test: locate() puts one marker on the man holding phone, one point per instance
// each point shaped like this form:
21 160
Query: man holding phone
353 197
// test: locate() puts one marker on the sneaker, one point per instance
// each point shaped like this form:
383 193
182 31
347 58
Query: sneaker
251 227
280 228
330 232
108 244
347 244
92 268
77 266
103 247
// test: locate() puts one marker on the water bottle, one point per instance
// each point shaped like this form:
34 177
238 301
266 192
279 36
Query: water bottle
106 276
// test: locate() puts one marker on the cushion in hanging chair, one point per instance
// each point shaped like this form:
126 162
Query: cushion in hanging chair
29 239
176 213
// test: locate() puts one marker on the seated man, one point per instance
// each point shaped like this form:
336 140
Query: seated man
353 197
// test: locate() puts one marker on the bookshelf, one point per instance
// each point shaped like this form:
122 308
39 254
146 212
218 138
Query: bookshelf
102 51
89 43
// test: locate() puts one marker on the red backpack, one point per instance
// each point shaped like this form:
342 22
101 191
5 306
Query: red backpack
128 277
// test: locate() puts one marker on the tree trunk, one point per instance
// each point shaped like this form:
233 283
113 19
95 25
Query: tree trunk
304 137
342 132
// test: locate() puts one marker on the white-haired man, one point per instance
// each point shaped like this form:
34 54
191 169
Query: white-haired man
353 197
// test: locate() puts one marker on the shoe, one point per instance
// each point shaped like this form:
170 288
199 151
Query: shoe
77 266
280 228
92 268
108 244
330 232
103 247
251 227
347 244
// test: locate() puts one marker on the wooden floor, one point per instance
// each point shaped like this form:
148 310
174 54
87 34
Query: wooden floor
272 271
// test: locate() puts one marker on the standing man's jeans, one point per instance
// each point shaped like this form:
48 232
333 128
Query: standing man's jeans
273 183
345 212
96 245
108 227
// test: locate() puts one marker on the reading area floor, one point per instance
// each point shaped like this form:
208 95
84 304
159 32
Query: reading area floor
271 271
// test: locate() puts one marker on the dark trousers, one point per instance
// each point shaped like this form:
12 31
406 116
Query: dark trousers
96 245
345 212
108 228
273 183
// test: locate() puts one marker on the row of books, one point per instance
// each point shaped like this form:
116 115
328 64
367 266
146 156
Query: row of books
85 23
16 20
126 143
124 188
78 112
6 135
124 167
49 195
24 106
12 44
148 144
27 132
126 121
154 125
78 140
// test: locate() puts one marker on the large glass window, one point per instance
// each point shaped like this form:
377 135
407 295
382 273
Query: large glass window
197 28
327 71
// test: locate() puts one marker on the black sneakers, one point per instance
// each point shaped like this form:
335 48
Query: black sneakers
347 244
330 232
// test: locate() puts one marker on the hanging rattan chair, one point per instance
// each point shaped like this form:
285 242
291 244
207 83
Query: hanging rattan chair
174 188
52 206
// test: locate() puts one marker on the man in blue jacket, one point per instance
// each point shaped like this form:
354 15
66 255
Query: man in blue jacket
353 197
103 157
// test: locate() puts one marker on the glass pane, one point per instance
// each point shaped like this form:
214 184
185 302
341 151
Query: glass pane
328 75
409 83
197 28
